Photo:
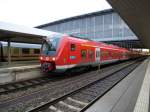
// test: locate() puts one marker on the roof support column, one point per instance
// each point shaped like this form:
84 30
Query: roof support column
1 52
9 51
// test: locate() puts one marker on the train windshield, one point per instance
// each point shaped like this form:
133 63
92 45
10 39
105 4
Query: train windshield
50 46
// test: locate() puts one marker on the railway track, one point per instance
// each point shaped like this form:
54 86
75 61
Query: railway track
22 85
12 87
32 97
82 97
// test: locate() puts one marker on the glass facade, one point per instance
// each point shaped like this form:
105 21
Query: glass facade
99 27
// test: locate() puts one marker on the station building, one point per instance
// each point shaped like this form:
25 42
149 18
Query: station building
106 26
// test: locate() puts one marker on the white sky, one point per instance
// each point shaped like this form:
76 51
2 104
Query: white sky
37 12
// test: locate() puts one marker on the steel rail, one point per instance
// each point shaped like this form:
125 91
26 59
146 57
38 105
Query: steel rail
46 105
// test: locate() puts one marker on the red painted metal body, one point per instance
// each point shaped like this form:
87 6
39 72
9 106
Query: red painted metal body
74 52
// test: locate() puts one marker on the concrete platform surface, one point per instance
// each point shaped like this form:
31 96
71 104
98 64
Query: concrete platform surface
143 101
19 71
18 63
123 97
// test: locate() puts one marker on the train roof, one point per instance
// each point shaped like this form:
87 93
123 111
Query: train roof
23 45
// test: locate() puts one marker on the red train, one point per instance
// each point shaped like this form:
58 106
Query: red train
61 52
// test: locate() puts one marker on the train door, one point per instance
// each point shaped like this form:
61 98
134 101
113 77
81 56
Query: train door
97 55
73 53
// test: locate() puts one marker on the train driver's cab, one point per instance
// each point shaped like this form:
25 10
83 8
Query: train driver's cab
48 52
50 45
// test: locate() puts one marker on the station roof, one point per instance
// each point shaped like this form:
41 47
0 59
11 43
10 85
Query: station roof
22 34
77 17
136 14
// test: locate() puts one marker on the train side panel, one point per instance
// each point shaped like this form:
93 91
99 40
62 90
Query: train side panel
74 52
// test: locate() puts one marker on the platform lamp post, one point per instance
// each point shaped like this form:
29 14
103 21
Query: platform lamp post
9 50
99 67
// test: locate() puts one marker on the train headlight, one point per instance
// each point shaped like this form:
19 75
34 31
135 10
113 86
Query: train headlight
53 59
41 58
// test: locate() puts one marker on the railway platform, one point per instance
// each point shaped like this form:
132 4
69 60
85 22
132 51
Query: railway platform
130 95
17 71
18 63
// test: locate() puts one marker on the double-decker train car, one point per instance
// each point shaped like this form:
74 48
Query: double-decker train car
20 52
61 52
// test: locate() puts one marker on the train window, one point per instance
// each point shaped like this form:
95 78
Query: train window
53 43
83 54
102 53
25 50
106 53
45 48
121 54
113 54
15 50
36 51
124 54
72 47
91 54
